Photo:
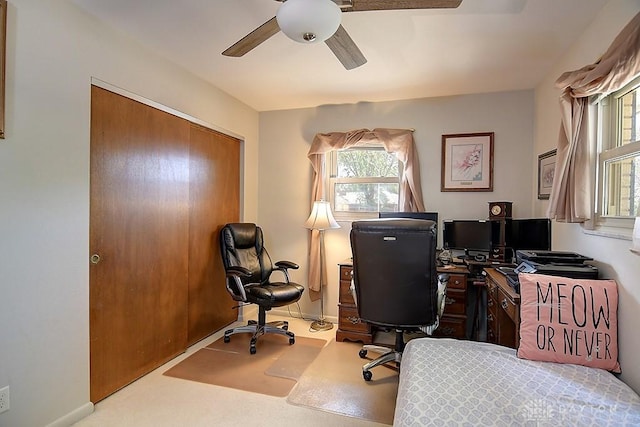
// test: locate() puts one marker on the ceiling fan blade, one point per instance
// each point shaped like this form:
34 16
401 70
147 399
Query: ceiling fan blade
253 39
363 5
344 48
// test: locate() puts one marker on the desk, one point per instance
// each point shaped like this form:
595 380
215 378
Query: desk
456 321
350 327
503 310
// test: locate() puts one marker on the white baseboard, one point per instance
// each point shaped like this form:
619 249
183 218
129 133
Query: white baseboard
73 416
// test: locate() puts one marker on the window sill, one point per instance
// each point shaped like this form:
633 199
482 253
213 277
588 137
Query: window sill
610 232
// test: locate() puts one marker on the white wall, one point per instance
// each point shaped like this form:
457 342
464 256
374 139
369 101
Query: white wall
285 173
613 256
53 50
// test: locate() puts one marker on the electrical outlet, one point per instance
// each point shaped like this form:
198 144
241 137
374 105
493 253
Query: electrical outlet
4 399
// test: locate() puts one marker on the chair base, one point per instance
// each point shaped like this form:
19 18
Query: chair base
253 327
387 355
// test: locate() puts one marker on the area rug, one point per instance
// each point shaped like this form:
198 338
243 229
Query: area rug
273 370
334 383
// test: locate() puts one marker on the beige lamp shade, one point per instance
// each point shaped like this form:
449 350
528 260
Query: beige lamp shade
321 217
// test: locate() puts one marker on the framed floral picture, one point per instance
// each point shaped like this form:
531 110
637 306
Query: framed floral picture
546 171
467 162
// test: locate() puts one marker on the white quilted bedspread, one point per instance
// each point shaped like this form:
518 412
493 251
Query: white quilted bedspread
445 382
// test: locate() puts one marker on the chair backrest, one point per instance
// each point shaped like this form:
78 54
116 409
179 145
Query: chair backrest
241 244
394 267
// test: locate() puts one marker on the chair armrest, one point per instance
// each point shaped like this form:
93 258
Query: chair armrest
237 271
284 267
443 281
287 264
234 274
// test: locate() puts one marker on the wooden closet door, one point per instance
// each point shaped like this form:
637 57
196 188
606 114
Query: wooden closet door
139 227
214 201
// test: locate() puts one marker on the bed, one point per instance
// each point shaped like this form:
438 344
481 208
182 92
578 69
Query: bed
446 382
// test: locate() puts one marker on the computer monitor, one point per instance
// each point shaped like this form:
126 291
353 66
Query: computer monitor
433 216
530 234
467 235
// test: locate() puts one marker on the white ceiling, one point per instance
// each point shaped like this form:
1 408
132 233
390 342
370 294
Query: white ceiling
483 46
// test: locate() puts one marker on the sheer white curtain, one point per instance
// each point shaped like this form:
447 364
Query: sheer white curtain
397 141
571 196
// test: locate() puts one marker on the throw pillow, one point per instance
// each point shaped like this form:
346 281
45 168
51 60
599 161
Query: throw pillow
567 320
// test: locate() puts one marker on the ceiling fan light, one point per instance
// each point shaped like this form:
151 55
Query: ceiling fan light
309 21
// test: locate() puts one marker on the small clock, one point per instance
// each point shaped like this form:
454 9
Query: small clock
499 210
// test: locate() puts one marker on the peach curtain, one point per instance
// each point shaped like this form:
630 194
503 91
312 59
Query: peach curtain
571 194
397 141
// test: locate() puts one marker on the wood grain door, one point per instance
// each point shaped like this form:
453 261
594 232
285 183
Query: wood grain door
214 201
139 228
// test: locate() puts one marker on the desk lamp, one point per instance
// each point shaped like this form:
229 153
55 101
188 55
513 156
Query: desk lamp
321 219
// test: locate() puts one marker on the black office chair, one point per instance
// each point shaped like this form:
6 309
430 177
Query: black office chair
248 268
396 283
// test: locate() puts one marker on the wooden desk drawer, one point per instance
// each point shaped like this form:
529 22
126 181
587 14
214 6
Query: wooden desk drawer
457 281
492 320
451 327
455 302
348 320
508 305
346 297
492 335
345 272
492 290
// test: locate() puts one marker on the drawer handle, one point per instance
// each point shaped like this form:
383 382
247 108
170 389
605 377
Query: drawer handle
457 282
504 304
353 319
449 301
490 317
490 303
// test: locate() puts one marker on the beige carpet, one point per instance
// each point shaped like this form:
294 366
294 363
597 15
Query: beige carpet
273 370
334 383
310 373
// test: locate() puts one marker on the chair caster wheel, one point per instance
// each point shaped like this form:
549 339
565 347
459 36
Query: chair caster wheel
285 327
292 341
363 354
367 375
252 350
227 339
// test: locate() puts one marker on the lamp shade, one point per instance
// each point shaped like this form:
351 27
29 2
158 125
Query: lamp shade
308 21
321 217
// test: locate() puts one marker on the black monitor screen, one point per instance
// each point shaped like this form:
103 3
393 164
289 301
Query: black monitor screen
432 216
533 234
467 234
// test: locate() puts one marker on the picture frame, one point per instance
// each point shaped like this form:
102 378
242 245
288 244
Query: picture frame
467 162
3 56
546 172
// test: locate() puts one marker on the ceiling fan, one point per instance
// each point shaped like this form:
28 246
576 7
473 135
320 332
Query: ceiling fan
311 21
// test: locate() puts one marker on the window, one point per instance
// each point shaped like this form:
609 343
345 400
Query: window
363 182
619 157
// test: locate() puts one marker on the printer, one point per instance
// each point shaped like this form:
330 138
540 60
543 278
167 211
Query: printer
553 263
567 264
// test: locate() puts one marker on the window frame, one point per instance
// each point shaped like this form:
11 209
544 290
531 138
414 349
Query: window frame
332 179
607 134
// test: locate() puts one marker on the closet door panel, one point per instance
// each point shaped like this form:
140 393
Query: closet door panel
139 229
214 201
